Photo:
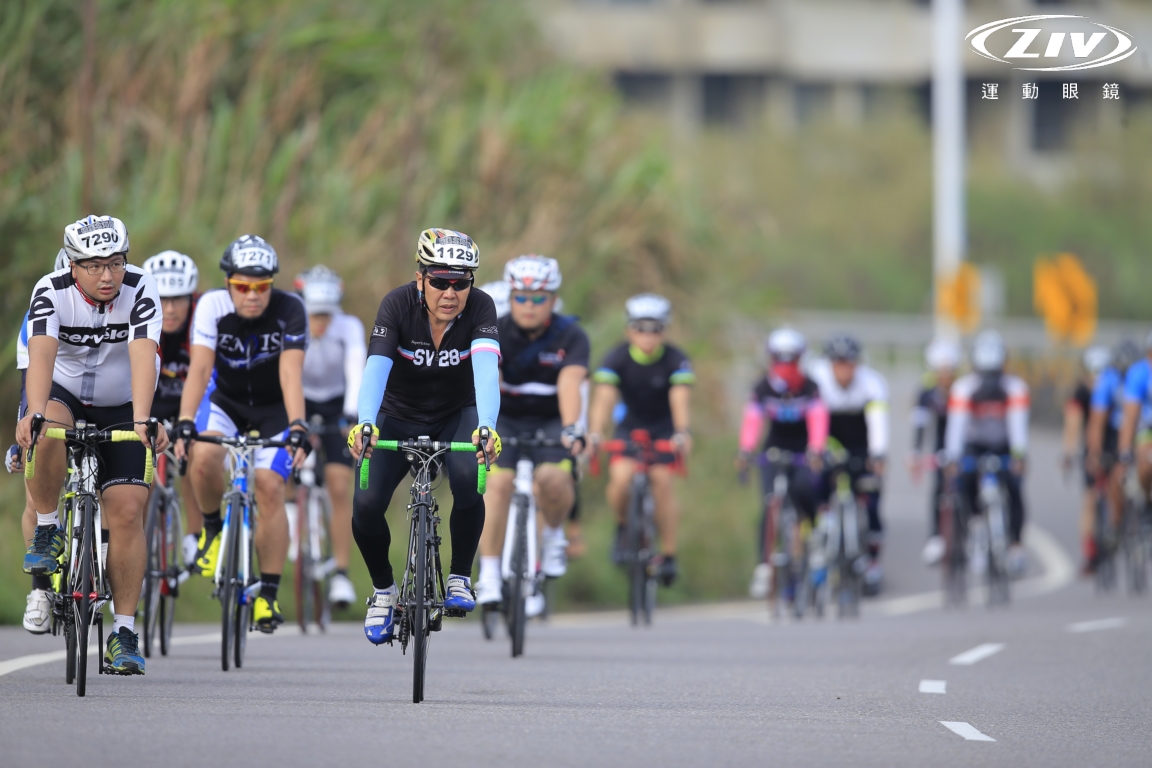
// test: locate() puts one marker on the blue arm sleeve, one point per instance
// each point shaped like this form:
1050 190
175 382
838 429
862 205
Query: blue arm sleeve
1106 384
486 374
372 388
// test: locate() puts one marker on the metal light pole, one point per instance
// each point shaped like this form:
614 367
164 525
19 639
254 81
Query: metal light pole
949 235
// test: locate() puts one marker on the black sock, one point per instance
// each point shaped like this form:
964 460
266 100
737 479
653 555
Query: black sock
104 536
42 581
342 572
269 586
213 523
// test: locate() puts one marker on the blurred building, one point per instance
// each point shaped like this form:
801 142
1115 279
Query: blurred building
790 62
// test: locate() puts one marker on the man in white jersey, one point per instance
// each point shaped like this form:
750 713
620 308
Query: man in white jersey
857 401
333 367
37 608
93 334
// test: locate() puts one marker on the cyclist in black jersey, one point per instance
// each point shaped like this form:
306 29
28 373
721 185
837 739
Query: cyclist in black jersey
254 337
931 414
654 379
544 364
432 370
176 278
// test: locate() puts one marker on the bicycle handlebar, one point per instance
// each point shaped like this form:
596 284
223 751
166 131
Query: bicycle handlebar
94 436
242 441
433 446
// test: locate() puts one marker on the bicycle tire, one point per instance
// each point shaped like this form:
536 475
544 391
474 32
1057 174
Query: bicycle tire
85 587
153 534
997 555
650 581
517 609
419 608
637 568
320 587
302 581
174 566
70 648
1105 571
1135 552
489 620
243 620
955 554
228 588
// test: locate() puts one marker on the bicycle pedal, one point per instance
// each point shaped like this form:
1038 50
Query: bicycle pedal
455 613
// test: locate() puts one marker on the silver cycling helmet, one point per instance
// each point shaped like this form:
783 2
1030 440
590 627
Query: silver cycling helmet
1097 358
175 273
648 306
843 347
785 345
989 353
322 290
1125 354
250 255
62 261
95 237
943 354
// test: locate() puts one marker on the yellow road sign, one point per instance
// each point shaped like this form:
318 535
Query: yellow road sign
1064 294
958 297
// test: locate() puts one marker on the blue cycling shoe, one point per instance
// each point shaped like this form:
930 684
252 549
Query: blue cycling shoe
47 545
378 626
459 593
122 653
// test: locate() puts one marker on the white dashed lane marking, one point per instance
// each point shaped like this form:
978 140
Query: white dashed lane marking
933 686
979 653
966 730
1097 625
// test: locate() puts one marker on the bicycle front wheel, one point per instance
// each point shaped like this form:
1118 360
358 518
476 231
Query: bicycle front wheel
303 566
517 610
1135 551
154 539
418 610
242 621
230 552
636 558
85 585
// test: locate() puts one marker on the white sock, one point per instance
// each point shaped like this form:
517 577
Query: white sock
553 533
489 568
119 620
386 591
52 518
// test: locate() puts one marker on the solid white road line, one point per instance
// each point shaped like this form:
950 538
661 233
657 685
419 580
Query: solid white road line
1097 625
966 730
933 686
979 653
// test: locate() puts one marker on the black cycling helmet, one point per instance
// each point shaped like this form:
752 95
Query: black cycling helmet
1125 354
250 255
842 347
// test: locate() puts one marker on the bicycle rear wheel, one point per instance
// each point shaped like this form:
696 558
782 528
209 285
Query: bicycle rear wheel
85 586
517 610
418 610
955 565
154 573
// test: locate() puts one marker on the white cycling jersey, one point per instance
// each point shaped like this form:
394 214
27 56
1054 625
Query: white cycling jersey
860 407
22 345
92 360
334 363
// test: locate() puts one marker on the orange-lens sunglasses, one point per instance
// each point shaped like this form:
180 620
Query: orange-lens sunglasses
260 286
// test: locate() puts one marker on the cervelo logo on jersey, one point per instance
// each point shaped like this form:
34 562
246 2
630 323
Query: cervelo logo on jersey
1051 43
94 337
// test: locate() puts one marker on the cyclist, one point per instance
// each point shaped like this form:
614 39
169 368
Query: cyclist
544 362
857 401
93 331
1101 441
333 366
176 280
988 414
38 607
1135 439
432 370
654 379
253 336
797 422
931 411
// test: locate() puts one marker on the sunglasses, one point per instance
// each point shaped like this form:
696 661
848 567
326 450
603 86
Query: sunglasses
538 299
260 286
648 326
443 283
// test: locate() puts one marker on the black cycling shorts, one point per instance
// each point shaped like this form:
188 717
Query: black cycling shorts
117 463
332 440
527 426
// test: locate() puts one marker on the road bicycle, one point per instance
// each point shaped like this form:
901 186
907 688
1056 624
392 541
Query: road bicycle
640 547
519 561
1105 537
81 589
311 550
989 527
842 528
784 545
166 569
235 585
1137 536
420 600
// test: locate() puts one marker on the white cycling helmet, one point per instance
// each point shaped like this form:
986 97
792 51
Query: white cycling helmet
95 237
447 253
322 290
250 255
989 352
175 273
62 261
501 294
786 345
1097 358
943 353
648 306
533 273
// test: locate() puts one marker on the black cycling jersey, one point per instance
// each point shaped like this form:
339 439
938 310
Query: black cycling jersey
787 412
531 368
644 383
427 382
248 351
174 359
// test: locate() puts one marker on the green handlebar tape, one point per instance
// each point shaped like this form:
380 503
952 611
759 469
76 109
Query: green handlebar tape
149 468
29 464
364 475
481 479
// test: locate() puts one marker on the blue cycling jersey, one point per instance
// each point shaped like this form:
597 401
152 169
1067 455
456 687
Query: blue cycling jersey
1138 388
1108 395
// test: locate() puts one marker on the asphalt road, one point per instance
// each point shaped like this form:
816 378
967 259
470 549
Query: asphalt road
1061 677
